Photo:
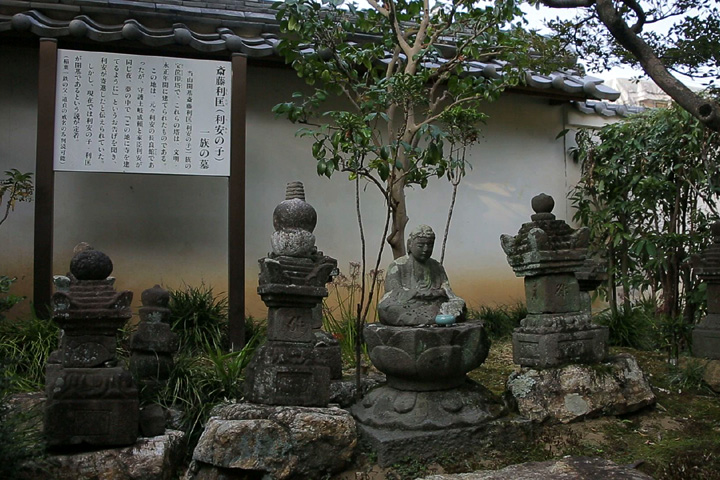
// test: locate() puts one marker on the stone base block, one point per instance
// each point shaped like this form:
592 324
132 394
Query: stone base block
575 392
284 373
394 445
94 406
156 458
281 442
467 406
706 343
545 350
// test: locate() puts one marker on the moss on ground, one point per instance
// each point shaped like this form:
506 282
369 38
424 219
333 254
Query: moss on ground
677 439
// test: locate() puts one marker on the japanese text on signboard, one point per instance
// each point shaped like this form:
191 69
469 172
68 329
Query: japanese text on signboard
142 114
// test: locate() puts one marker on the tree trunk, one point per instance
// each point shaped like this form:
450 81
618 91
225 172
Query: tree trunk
396 239
707 111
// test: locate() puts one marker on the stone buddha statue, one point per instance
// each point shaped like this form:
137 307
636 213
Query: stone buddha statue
416 286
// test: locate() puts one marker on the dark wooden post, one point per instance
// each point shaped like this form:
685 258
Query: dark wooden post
44 178
236 205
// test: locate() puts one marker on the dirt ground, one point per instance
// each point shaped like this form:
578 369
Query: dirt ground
677 439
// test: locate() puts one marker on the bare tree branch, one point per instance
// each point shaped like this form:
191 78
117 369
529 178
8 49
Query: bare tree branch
707 111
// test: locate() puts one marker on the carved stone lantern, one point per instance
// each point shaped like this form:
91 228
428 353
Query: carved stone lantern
549 254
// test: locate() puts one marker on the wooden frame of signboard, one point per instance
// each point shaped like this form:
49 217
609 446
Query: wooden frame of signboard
45 190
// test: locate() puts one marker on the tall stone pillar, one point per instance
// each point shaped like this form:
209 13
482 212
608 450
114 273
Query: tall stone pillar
90 399
706 335
557 330
288 369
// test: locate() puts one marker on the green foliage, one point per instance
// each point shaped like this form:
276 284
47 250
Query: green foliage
25 345
501 320
198 317
689 376
15 187
402 67
633 327
648 193
201 380
20 442
7 300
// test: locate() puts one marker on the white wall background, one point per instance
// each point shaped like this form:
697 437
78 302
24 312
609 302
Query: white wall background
173 229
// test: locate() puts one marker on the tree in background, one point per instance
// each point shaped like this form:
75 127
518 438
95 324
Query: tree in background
411 107
402 67
648 192
610 32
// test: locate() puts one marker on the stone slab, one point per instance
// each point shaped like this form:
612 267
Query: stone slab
284 373
94 406
569 468
706 343
392 445
156 458
546 350
281 442
572 393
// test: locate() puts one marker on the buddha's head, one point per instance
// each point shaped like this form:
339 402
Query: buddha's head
421 242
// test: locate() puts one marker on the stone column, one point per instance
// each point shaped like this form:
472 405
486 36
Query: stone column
91 399
557 330
706 335
153 344
288 369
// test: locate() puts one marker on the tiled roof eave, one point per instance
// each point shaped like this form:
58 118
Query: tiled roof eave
253 34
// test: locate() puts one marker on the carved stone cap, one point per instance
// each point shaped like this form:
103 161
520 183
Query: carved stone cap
545 245
90 294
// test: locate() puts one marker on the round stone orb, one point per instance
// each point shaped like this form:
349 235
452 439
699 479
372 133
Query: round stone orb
543 203
294 214
91 265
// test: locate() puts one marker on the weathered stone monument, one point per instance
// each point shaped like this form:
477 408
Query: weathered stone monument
557 330
284 428
428 404
556 343
706 335
151 354
287 369
90 399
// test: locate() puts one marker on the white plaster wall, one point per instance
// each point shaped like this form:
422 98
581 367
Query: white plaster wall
173 229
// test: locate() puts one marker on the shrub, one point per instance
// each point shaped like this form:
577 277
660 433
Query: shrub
25 345
501 320
198 317
632 327
7 300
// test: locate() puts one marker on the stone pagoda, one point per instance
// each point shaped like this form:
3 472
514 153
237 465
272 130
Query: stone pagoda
549 254
90 399
289 369
706 335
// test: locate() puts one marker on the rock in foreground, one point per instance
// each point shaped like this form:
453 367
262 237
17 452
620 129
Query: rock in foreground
574 392
154 458
281 441
571 468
